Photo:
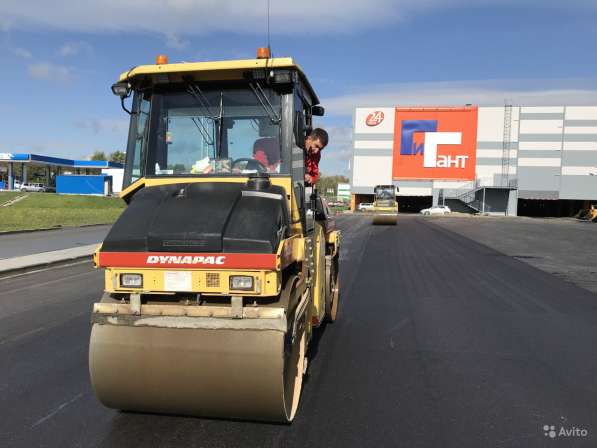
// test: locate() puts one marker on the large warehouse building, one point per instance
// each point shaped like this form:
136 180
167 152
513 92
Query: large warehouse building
504 160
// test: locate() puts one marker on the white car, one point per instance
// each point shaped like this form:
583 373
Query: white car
437 210
33 187
364 206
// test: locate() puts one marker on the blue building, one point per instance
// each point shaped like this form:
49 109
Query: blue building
54 167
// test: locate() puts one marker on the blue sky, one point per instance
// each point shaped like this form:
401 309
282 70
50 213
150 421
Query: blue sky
59 58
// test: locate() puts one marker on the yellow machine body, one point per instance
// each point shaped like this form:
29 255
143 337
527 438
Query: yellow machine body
385 205
204 348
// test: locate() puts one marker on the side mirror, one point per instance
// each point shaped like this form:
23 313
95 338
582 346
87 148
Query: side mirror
317 111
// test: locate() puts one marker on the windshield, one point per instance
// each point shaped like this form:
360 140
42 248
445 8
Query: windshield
195 130
385 194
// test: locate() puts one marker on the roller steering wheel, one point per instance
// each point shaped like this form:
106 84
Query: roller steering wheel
252 164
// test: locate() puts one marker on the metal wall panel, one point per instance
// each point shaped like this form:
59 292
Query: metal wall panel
579 123
539 154
579 187
414 187
369 171
541 110
539 178
579 158
536 194
581 113
541 146
541 126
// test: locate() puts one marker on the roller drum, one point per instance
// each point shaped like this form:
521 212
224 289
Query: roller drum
385 219
230 373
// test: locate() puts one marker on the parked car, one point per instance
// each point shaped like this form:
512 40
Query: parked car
437 210
364 206
33 187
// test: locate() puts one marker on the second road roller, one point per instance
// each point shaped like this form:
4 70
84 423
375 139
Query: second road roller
224 262
385 206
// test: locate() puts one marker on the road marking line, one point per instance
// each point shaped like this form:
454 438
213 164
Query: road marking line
21 336
49 282
8 277
399 325
58 409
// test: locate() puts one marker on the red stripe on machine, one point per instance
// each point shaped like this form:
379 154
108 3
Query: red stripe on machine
186 260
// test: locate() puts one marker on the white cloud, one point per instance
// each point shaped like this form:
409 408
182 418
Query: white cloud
195 17
74 48
51 72
336 156
482 93
98 126
21 52
175 42
4 24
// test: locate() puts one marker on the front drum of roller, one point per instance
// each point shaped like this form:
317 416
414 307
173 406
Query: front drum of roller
227 373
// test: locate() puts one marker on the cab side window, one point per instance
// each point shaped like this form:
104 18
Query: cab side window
300 121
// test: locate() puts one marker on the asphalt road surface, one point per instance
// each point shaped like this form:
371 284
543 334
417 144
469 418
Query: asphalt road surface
565 247
29 243
440 342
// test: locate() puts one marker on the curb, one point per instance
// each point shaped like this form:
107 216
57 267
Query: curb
28 262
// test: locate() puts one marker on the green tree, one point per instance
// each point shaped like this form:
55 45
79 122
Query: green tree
117 156
328 185
98 155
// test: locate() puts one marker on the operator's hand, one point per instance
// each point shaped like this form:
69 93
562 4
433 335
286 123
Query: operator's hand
308 179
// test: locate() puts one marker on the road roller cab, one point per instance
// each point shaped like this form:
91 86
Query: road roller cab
220 268
385 205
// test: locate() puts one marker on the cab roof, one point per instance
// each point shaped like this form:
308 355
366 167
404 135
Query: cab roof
219 70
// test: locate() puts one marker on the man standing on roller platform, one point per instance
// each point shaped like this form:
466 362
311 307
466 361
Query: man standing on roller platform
314 144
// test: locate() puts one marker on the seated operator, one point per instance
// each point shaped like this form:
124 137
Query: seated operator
266 151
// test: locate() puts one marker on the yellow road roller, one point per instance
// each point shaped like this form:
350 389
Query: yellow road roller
385 206
221 266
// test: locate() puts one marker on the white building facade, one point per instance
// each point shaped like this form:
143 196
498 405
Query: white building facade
530 153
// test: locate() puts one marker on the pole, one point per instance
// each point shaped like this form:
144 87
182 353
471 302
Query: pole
484 200
11 177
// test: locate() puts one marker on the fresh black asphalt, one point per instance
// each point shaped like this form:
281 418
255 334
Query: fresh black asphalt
440 342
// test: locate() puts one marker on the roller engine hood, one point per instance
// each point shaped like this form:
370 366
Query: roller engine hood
201 217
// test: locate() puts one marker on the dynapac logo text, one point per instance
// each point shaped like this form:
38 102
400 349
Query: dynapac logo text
421 137
185 259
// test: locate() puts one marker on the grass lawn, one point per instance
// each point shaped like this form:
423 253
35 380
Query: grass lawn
46 210
6 196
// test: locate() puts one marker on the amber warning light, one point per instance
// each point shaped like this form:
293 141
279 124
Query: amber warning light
161 59
263 53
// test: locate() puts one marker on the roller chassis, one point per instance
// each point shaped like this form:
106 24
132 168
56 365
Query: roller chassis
231 271
305 300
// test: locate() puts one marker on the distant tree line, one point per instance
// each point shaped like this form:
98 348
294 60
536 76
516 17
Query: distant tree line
328 185
116 156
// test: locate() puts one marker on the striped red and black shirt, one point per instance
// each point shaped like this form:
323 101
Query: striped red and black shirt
312 166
